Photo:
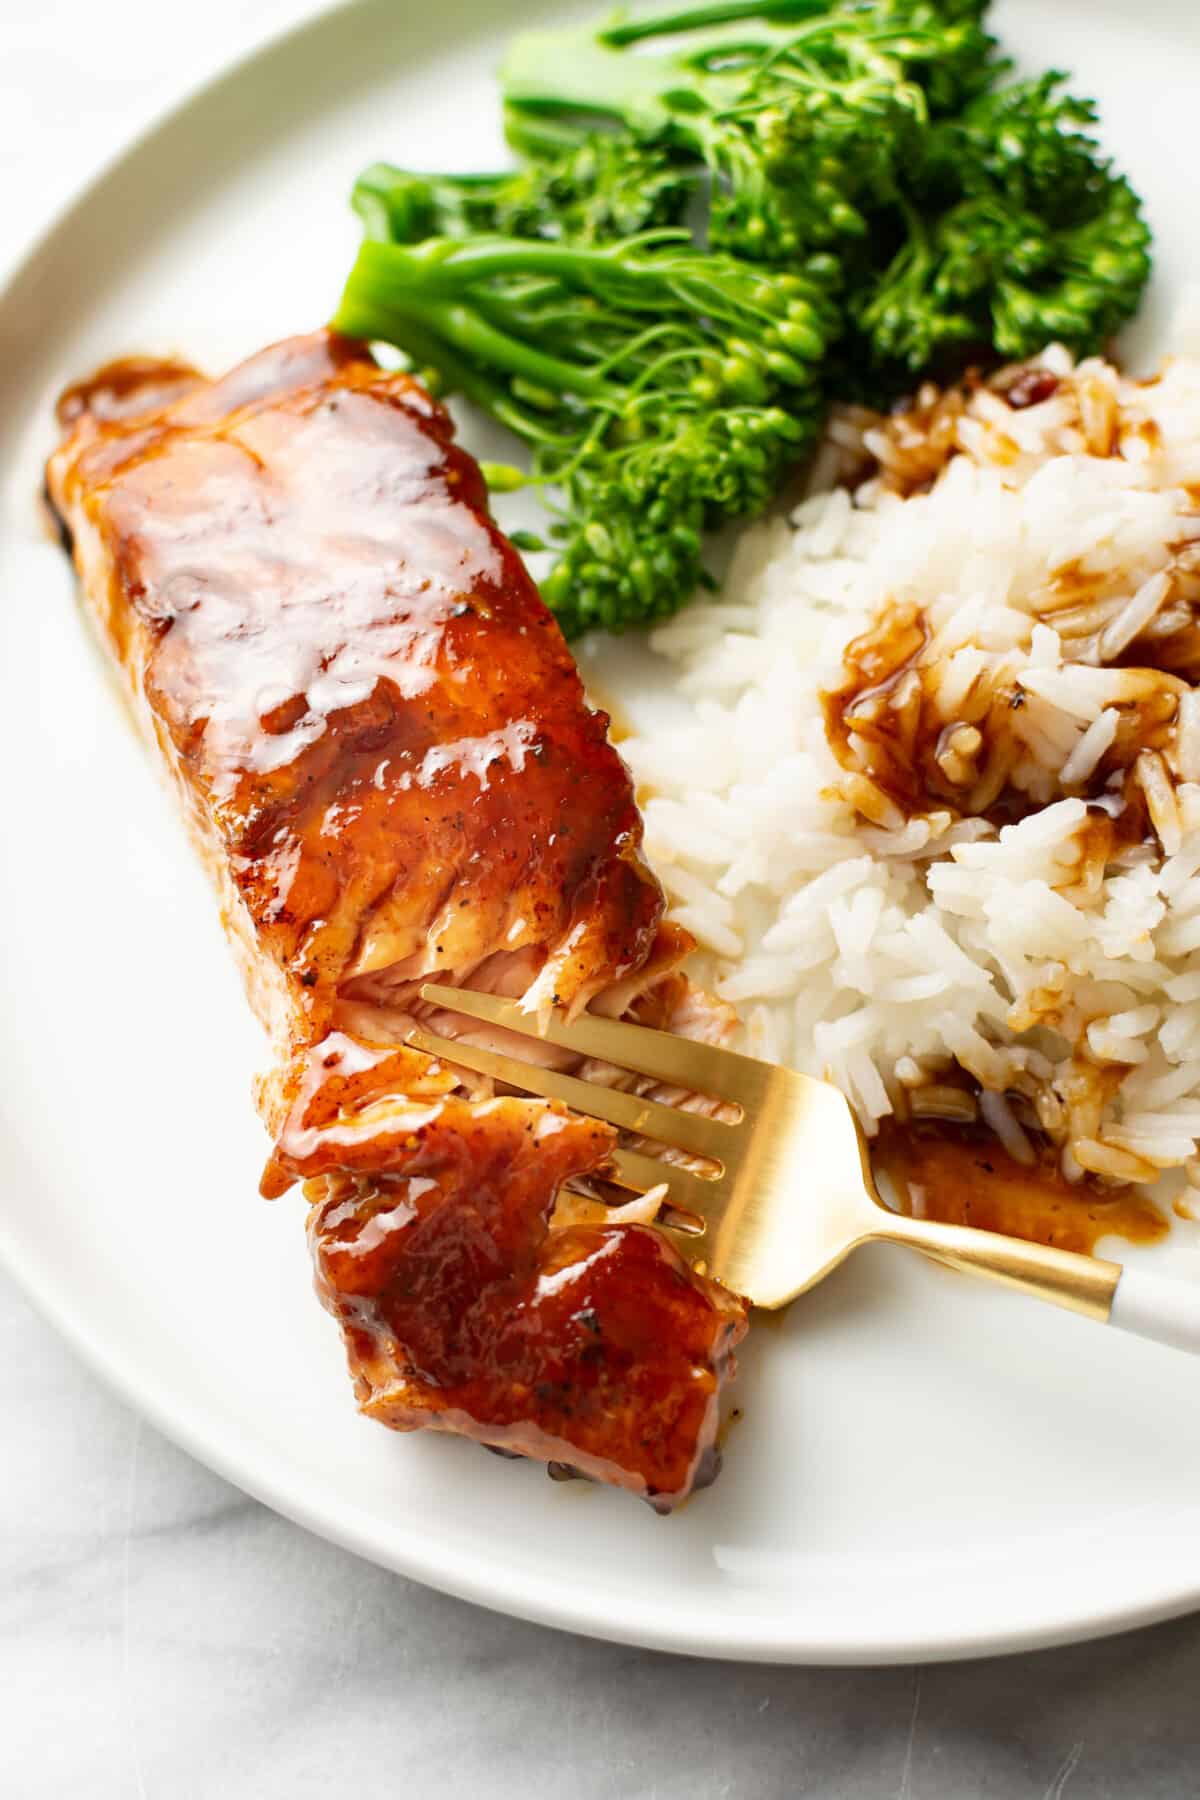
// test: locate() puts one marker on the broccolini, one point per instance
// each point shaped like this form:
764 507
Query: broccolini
804 113
591 192
1011 231
873 204
660 389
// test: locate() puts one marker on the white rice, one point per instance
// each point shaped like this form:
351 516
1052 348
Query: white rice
880 949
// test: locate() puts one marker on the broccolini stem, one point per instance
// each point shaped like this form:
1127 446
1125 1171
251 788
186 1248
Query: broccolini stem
388 296
586 74
446 290
721 12
446 265
579 74
437 366
466 329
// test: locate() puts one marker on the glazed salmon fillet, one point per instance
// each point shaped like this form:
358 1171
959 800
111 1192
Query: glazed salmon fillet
389 766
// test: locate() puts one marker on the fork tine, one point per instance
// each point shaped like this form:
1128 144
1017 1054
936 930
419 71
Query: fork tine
684 1063
668 1124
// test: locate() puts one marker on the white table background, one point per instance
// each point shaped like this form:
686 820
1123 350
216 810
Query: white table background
162 1637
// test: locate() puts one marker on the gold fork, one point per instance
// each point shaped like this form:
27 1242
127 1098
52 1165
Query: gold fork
790 1193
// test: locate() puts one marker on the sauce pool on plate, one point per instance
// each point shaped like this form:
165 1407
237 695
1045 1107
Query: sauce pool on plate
961 1175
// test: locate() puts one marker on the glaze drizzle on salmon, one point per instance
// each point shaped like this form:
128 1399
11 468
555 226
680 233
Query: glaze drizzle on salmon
388 762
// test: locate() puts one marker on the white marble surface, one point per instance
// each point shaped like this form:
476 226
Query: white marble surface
164 1638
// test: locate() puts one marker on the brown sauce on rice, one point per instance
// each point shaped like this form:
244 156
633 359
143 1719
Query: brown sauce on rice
907 753
886 729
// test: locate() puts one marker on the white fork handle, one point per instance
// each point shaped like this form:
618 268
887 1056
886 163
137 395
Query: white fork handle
1161 1307
1158 1306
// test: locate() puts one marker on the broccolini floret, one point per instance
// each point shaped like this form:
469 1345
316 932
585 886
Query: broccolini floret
1012 232
873 207
660 389
804 114
589 191
965 218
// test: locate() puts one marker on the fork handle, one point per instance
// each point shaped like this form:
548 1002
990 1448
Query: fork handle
1084 1284
1161 1307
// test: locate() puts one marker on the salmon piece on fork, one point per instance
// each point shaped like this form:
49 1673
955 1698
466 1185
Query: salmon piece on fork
389 767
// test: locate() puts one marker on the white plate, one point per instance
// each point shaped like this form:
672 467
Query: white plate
924 1469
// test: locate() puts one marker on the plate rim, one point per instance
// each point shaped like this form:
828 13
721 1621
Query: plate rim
752 1639
455 1570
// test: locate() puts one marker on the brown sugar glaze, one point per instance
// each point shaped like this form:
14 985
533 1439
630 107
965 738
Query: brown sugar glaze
360 686
885 710
384 747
